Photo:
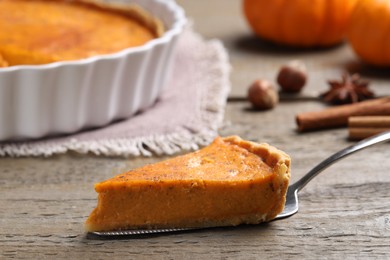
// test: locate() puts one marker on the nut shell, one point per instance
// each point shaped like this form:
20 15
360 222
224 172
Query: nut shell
292 77
263 95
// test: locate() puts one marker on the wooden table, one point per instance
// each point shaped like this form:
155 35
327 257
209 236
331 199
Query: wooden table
345 211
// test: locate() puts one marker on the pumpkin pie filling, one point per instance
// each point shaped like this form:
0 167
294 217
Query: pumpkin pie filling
45 31
229 182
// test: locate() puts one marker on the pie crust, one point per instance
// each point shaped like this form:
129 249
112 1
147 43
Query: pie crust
229 182
59 30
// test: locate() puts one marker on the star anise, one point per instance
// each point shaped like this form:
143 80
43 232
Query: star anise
351 89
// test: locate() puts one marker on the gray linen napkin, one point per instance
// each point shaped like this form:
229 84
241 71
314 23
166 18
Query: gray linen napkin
187 114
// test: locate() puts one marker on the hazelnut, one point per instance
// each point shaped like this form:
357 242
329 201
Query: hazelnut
292 76
263 95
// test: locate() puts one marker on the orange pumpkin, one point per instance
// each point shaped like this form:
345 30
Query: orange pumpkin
301 23
369 31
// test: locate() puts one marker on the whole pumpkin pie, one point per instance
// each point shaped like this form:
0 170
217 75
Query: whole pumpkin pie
45 31
229 182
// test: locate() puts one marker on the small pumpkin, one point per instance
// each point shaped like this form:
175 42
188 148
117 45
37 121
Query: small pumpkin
369 31
301 23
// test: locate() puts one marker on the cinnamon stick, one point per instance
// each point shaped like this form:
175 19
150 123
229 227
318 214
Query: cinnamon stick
360 127
338 116
359 133
369 121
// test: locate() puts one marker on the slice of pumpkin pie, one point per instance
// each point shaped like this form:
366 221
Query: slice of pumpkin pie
229 182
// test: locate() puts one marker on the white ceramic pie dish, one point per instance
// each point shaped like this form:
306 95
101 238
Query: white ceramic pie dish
66 97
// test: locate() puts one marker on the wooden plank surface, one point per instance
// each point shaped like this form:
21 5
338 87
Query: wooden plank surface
344 212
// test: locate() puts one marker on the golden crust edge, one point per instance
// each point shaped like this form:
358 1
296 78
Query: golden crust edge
270 154
132 10
275 158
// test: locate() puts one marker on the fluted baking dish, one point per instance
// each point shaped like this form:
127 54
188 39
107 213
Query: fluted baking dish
65 97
